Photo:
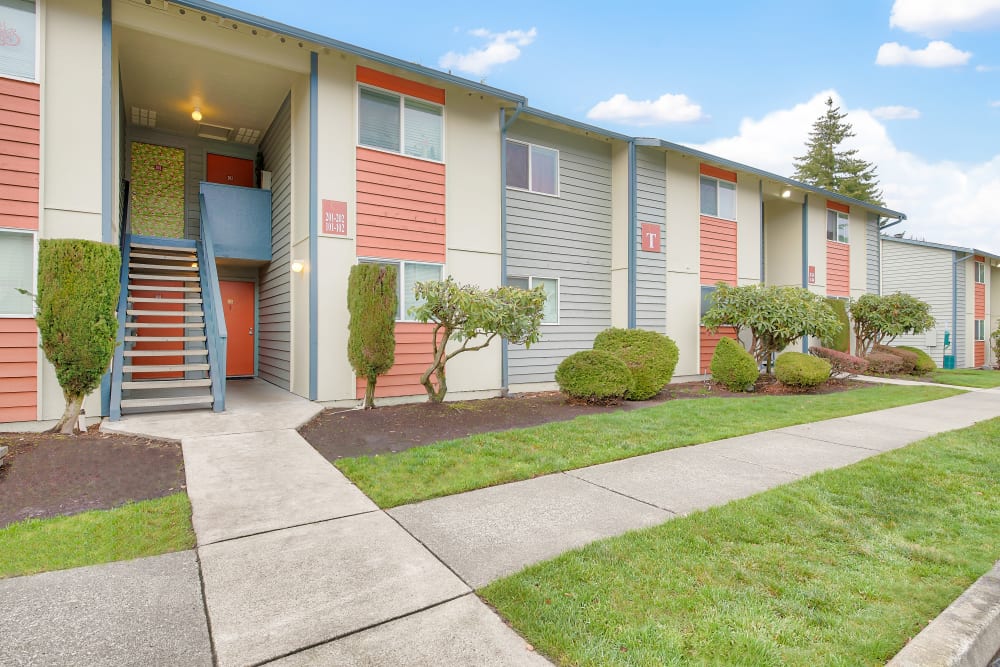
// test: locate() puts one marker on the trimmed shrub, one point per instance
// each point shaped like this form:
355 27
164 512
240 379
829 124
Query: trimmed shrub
924 362
372 301
650 356
842 341
732 366
801 370
908 359
594 376
840 362
77 297
882 363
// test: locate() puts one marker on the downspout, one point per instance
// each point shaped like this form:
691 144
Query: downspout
504 126
805 257
313 222
632 233
760 199
107 173
954 304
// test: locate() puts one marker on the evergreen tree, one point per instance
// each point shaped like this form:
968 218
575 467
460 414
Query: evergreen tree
372 301
828 166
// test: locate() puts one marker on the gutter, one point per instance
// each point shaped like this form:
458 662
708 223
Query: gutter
505 124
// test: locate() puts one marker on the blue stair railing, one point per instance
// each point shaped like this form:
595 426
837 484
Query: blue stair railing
215 320
124 244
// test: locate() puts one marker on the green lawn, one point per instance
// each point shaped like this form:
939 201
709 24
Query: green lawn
968 377
486 459
145 528
838 569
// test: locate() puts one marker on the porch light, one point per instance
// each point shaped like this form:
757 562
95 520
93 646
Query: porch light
298 265
786 193
196 114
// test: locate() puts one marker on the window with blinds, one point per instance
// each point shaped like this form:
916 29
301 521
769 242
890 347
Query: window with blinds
550 311
400 124
17 271
408 275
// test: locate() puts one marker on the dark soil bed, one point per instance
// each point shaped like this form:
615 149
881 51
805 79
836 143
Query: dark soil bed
47 475
346 433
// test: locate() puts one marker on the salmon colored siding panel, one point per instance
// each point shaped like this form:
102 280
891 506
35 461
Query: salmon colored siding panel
838 269
718 251
716 172
837 206
413 357
980 353
709 341
400 85
19 154
401 204
18 370
980 301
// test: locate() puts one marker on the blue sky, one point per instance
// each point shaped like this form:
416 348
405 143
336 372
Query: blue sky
920 79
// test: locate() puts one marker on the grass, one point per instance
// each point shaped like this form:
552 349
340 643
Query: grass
486 459
134 530
968 377
841 568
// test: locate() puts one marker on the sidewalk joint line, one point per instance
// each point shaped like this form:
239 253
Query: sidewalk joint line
371 626
430 551
569 473
296 525
204 606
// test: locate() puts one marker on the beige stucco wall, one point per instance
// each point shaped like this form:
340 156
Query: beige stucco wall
783 242
817 242
681 240
619 234
992 304
747 229
300 238
858 221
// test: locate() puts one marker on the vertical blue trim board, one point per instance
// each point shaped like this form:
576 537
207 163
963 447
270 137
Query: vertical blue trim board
633 231
107 174
313 221
805 257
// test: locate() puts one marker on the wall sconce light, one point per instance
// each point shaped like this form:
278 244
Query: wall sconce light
196 114
786 193
298 265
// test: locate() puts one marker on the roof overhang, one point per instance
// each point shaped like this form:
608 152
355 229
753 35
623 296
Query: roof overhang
941 246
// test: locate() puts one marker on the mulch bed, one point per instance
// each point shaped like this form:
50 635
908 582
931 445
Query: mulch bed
339 433
47 475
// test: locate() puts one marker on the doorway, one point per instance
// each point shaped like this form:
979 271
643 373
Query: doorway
229 170
157 190
238 304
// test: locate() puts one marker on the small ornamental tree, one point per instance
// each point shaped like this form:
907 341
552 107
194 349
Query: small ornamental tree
372 301
879 319
77 295
774 316
995 343
466 313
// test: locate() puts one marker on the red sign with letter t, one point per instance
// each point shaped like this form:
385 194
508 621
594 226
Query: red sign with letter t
650 237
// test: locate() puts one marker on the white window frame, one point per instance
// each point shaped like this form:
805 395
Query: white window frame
34 272
980 273
402 123
847 226
980 330
530 145
400 265
38 51
531 285
718 187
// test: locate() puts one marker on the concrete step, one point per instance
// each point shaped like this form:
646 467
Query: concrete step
166 384
147 276
165 339
167 313
165 353
177 368
165 325
164 402
162 267
153 299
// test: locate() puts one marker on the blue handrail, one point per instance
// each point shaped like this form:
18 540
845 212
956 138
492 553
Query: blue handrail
119 359
215 321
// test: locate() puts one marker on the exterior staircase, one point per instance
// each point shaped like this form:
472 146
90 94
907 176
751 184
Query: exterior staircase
163 358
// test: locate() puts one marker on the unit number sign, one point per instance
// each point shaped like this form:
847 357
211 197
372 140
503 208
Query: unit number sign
650 237
334 218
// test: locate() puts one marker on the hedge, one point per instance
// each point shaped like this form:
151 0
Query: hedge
594 376
840 362
732 366
924 362
801 370
650 356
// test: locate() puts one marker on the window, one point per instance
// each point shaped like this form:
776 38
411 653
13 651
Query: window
400 124
718 198
980 330
836 226
550 312
706 297
17 271
981 272
533 168
17 36
408 275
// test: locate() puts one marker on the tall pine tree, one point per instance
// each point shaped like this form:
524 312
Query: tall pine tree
826 165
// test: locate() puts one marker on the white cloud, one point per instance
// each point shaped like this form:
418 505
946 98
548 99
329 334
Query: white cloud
986 68
995 104
500 48
935 18
668 108
896 112
945 201
935 54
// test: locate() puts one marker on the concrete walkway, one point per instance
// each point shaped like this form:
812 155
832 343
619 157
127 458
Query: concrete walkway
295 566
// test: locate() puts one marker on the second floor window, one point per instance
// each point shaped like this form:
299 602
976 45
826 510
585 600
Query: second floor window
533 168
400 124
718 198
836 226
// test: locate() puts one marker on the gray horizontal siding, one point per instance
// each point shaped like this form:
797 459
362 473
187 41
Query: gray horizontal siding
566 237
274 300
651 268
872 253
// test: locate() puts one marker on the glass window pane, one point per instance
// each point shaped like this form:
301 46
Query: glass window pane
550 312
706 293
831 225
544 170
17 270
378 120
518 282
517 165
414 273
423 127
17 58
842 226
727 200
709 196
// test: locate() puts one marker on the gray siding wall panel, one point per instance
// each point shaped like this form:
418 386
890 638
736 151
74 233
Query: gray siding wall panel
872 253
566 237
651 268
926 274
274 301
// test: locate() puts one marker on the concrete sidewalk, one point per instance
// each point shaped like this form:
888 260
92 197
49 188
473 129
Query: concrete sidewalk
294 565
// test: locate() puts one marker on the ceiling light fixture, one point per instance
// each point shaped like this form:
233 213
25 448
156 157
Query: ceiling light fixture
196 114
298 265
786 193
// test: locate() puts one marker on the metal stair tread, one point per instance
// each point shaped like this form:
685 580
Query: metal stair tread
162 288
164 325
168 258
148 368
155 246
164 339
165 353
153 299
166 384
149 276
167 313
164 402
162 267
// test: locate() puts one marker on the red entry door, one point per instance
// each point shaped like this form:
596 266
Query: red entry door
238 306
228 170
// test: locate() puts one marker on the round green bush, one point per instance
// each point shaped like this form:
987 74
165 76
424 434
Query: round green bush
801 370
732 366
924 362
650 356
594 376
